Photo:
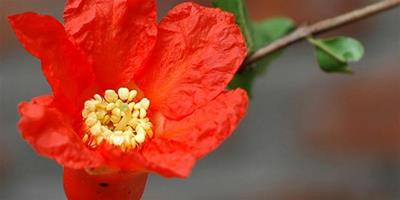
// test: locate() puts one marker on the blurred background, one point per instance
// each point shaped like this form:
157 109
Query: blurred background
307 136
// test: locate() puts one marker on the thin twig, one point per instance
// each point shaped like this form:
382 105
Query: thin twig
323 26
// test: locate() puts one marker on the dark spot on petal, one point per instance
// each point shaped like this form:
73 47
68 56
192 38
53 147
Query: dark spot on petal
103 184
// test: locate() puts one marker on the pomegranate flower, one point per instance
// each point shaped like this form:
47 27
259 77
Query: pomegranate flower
130 96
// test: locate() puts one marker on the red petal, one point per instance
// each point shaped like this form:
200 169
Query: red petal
116 158
64 67
175 151
198 51
44 128
117 35
209 126
160 155
168 158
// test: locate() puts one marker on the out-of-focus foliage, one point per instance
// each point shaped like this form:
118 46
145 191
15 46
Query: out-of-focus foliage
271 29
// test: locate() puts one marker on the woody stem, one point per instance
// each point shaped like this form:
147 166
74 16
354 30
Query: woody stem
304 31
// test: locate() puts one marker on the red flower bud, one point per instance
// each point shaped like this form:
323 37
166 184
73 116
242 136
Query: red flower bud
79 185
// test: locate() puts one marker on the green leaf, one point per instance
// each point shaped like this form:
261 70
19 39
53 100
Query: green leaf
271 29
244 81
334 54
265 32
239 9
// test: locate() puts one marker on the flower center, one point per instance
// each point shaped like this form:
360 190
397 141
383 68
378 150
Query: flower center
117 119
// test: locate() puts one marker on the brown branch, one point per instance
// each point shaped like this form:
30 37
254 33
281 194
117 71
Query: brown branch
322 26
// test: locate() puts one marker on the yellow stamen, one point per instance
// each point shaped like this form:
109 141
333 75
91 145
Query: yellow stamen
117 120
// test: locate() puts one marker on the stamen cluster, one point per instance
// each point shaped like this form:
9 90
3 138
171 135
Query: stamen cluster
117 119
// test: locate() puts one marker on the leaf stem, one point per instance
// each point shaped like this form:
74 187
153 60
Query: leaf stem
305 31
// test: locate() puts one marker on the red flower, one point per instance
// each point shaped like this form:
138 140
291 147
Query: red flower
175 73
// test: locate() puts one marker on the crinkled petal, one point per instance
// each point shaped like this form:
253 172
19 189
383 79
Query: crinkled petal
65 68
209 126
160 155
117 35
44 128
174 152
197 53
168 158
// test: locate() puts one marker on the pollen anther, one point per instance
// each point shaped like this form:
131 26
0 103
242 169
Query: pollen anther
117 119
